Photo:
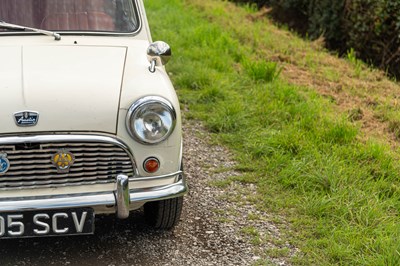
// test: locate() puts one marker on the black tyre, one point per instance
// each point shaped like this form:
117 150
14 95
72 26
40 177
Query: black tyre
163 214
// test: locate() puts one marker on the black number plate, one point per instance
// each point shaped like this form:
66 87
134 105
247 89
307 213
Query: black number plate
47 223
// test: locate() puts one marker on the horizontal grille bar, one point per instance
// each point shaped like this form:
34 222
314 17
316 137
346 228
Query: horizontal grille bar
31 165
55 150
28 167
79 160
45 156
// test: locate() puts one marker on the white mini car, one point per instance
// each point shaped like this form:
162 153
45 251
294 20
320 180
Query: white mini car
90 122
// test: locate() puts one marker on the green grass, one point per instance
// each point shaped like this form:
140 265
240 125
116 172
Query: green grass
351 56
311 164
263 71
253 234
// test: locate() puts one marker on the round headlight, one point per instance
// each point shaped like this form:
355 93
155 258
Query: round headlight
151 119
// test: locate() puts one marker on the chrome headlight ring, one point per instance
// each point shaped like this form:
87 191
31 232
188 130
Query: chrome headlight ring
151 120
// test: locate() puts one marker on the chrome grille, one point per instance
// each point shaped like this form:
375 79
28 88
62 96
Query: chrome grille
95 163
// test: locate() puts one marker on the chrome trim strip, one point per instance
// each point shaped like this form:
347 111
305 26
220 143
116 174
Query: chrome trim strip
181 156
99 199
60 138
148 178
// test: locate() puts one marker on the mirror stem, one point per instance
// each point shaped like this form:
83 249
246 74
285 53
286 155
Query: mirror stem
152 67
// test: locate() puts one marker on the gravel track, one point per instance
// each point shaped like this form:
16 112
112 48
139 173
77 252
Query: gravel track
210 231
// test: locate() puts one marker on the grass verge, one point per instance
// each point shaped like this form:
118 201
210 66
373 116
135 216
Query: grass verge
339 189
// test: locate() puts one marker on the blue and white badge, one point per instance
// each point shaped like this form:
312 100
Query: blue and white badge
4 163
26 118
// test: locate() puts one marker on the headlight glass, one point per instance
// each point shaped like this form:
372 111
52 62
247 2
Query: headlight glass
151 119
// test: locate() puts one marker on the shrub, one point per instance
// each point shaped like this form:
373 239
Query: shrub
259 3
373 30
370 27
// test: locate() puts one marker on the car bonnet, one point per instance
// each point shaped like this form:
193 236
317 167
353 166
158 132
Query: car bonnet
73 88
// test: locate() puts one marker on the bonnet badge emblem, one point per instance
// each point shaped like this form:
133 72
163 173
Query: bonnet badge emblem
26 118
4 163
63 160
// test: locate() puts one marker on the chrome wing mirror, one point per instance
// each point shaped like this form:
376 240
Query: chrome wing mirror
158 54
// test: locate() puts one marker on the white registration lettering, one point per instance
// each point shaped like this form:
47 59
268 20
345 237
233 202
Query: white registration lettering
11 223
2 227
55 223
79 224
45 226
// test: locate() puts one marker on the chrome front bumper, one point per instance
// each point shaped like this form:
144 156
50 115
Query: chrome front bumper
120 199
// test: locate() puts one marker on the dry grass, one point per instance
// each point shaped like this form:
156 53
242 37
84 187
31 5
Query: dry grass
308 64
334 78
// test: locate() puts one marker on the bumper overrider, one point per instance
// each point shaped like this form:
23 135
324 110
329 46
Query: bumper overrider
122 198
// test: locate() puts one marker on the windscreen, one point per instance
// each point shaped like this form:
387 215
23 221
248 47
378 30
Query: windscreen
72 15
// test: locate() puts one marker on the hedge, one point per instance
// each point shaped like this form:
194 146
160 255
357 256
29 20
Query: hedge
370 27
373 30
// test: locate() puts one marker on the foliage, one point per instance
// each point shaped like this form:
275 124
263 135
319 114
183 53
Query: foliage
373 30
371 27
259 3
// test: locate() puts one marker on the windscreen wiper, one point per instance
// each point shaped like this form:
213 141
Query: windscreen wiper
10 26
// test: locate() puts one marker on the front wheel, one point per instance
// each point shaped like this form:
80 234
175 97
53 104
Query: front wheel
163 214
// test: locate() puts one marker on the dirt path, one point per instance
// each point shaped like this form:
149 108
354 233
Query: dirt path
210 232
